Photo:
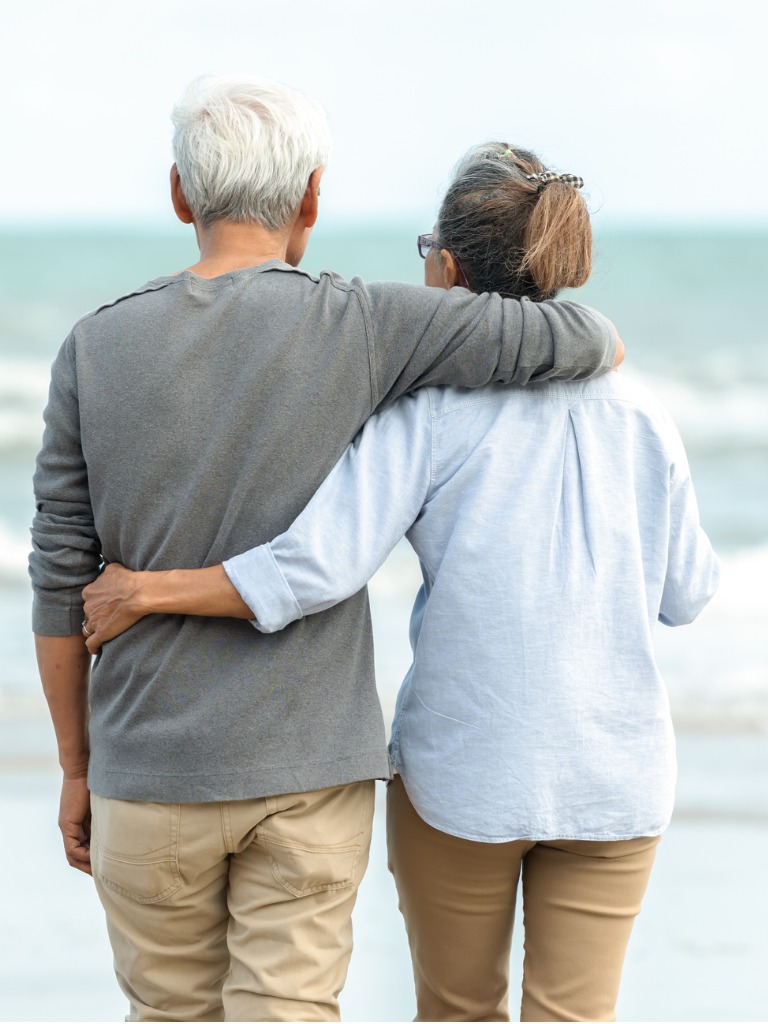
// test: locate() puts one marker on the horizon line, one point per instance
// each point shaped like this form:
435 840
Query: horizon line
343 226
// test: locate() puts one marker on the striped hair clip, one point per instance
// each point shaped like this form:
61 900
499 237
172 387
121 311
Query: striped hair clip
546 176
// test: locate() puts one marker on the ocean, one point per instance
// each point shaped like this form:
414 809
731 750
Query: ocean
690 308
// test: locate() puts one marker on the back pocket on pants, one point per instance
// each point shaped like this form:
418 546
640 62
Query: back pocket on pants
293 835
134 848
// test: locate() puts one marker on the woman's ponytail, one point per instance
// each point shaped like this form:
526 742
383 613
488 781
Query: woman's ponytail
515 227
558 238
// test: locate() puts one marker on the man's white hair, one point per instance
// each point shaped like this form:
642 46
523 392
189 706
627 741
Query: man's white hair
246 147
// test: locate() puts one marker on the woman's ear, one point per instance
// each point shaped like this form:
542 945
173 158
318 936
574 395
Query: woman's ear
449 270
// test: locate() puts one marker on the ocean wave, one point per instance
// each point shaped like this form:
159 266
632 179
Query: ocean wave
716 669
23 395
713 417
24 378
14 550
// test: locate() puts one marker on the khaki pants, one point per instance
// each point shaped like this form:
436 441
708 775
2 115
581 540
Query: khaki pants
458 900
233 911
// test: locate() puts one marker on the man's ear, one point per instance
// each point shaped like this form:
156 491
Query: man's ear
178 198
310 202
304 220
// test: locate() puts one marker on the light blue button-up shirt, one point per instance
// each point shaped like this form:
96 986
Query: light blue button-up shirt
555 524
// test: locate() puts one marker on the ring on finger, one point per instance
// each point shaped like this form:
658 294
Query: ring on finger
87 631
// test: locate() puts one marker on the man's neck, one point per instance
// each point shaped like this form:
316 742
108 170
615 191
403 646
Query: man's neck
226 246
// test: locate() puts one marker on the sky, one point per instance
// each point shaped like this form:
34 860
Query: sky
659 106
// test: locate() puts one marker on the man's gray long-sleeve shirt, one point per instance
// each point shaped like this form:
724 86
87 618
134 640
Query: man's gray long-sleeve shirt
195 418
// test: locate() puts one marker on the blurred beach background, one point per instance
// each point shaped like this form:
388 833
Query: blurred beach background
660 117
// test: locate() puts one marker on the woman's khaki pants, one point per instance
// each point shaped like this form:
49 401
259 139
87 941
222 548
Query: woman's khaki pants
232 911
580 900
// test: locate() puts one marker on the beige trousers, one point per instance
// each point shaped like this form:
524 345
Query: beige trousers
234 911
458 900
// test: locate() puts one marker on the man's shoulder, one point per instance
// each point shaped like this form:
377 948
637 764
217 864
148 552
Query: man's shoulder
155 285
376 296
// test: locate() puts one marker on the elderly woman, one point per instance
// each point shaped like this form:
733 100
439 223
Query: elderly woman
555 524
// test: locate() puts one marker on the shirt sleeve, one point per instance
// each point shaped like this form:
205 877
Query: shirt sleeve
693 570
66 553
428 336
366 504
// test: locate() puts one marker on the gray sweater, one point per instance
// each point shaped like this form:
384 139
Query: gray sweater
193 419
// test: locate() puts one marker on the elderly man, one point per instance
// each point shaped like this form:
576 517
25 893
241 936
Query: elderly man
219 783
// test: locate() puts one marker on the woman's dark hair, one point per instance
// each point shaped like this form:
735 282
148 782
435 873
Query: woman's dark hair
511 235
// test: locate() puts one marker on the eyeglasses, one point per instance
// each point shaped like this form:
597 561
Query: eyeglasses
426 242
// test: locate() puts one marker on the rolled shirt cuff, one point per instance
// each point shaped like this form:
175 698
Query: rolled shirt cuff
259 581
